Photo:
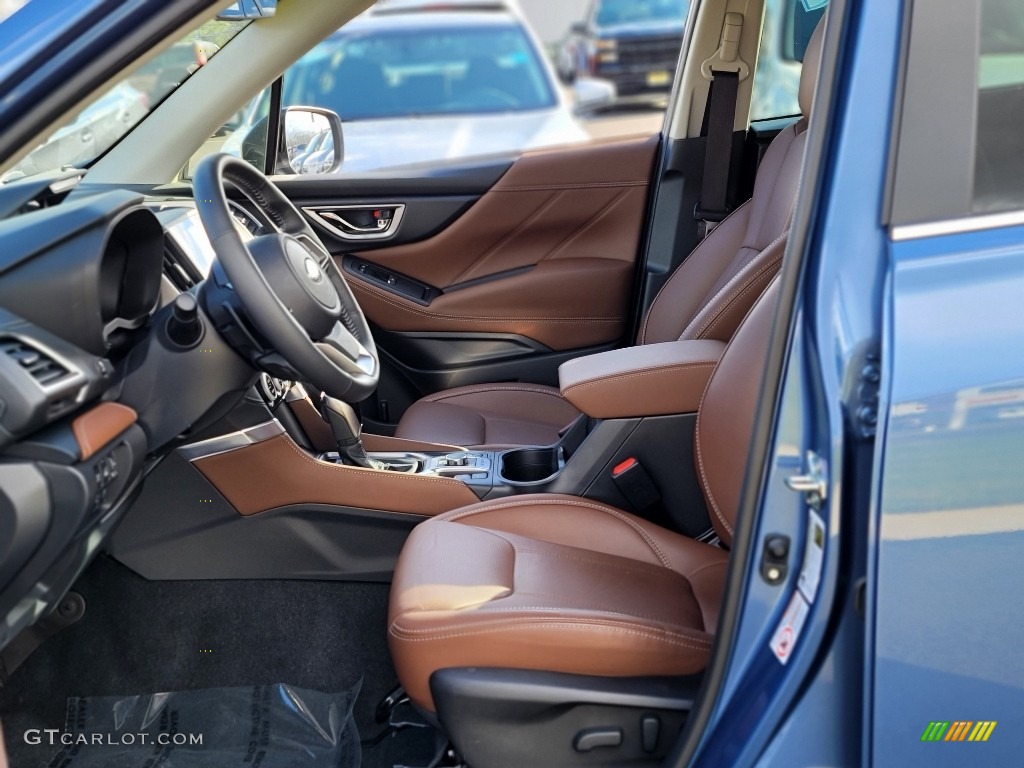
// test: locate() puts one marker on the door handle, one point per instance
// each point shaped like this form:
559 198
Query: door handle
358 222
382 225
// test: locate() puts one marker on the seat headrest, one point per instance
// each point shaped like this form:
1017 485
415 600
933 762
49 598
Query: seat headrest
812 62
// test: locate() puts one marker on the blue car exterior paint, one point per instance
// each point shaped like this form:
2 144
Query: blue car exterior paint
940 520
948 616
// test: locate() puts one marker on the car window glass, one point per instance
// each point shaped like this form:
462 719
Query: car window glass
381 73
613 12
427 85
999 155
99 125
788 25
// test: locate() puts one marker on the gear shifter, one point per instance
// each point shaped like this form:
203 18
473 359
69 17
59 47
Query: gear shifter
347 431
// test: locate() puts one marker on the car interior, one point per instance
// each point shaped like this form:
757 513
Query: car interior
467 439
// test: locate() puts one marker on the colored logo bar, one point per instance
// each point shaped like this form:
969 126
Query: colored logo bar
958 730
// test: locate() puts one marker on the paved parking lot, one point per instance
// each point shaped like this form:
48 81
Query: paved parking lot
624 122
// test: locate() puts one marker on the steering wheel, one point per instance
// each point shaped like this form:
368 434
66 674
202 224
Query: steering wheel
287 282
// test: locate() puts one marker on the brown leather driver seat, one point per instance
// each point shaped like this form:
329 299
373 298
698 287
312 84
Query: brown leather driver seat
564 584
705 298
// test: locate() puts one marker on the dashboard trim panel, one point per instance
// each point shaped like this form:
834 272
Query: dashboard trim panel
232 441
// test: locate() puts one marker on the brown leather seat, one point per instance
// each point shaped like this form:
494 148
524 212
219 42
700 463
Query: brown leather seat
705 298
565 584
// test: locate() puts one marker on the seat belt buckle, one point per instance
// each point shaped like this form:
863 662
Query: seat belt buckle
708 219
635 484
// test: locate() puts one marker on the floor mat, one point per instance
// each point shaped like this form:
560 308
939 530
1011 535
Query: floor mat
270 726
144 636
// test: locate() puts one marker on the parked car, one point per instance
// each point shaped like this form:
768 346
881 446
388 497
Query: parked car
634 44
523 459
422 82
96 127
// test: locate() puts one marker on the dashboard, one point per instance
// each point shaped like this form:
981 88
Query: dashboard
94 388
186 232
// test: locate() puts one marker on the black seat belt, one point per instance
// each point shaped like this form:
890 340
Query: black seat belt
719 120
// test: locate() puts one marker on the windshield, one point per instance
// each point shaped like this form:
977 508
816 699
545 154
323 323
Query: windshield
376 73
90 132
613 12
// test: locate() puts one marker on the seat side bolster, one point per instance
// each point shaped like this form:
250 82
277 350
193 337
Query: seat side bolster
686 291
721 316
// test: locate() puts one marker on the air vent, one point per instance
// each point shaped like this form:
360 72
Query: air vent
39 365
178 267
175 272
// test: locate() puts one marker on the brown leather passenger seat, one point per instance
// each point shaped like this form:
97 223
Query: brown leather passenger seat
564 584
705 298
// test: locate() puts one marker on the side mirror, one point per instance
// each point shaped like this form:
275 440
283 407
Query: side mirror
309 141
313 140
578 28
591 95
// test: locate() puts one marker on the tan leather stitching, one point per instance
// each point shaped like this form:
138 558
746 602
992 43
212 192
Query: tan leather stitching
564 608
650 310
581 185
755 282
580 230
481 388
728 285
453 516
644 372
380 296
501 241
700 458
631 564
700 466
689 576
622 628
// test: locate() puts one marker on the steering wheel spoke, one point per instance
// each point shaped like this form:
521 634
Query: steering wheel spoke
347 351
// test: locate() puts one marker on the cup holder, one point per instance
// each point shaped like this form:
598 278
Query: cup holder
530 465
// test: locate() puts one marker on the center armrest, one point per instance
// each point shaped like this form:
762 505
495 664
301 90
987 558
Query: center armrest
649 380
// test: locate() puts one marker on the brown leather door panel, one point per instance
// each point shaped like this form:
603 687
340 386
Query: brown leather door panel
564 224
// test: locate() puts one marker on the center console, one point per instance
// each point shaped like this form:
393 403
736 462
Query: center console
631 446
492 473
488 473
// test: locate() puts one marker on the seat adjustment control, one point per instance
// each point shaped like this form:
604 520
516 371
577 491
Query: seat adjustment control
650 729
592 738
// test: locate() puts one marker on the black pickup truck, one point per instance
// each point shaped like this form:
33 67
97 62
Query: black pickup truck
633 44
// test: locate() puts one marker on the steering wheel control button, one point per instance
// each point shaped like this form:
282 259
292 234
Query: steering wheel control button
184 327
